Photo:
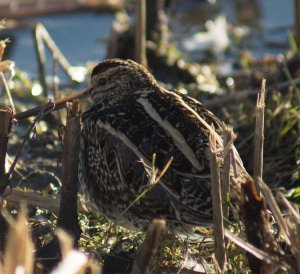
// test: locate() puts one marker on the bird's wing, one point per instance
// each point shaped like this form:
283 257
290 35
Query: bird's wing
157 124
149 126
207 115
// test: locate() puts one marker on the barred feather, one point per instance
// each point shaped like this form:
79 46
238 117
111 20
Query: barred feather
131 119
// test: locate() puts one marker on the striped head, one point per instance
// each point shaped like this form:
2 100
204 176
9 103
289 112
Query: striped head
113 79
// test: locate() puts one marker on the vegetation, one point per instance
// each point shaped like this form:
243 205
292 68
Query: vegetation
36 146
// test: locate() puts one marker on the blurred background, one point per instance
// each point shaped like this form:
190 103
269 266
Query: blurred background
81 29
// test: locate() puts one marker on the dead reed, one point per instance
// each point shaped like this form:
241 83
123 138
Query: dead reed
67 217
140 33
228 139
259 136
297 21
19 251
147 250
5 129
217 202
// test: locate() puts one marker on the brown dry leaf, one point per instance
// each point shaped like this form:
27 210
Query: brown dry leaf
66 242
19 248
7 65
2 47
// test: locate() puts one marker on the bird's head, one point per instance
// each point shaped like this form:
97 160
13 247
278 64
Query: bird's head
114 79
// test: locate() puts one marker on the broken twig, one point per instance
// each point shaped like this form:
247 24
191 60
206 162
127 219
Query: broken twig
154 235
259 136
34 198
67 217
58 104
44 110
229 138
297 21
140 33
258 253
218 225
5 128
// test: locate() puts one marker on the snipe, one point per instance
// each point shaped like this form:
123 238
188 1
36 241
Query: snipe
131 118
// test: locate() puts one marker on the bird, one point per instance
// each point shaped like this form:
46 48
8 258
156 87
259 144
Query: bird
134 126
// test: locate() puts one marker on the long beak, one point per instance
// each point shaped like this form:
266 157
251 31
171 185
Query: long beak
58 104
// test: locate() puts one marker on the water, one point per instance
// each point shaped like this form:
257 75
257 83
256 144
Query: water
265 24
80 36
277 13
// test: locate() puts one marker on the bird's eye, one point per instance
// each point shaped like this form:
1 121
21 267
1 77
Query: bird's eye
102 82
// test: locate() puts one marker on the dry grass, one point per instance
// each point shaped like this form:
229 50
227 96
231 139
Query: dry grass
19 251
282 131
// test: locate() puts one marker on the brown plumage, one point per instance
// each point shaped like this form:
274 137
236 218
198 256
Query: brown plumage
131 118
